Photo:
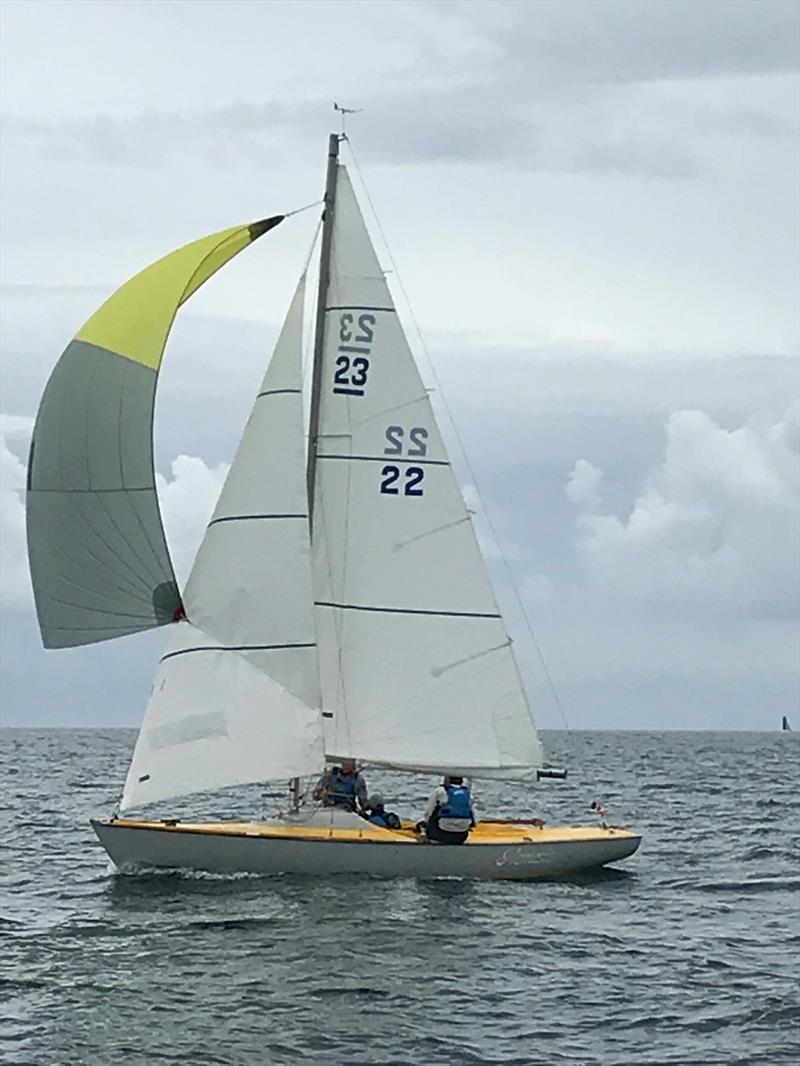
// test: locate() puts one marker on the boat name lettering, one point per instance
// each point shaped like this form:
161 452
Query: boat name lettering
511 857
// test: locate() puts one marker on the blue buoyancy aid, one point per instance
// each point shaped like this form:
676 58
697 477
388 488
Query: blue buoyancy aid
342 790
379 818
458 806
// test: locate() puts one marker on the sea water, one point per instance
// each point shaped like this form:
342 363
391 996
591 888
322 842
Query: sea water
686 953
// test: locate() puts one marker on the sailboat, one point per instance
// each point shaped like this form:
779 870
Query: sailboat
785 727
338 606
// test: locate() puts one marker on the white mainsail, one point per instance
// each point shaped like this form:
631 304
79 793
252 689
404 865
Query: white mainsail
236 696
416 666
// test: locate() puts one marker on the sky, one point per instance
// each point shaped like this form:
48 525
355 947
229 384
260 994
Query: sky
592 209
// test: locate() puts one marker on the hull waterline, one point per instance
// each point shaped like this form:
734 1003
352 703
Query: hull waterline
494 850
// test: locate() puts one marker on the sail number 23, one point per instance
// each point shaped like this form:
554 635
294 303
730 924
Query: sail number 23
356 333
414 446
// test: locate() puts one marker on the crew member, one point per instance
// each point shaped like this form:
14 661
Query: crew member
449 815
378 814
342 786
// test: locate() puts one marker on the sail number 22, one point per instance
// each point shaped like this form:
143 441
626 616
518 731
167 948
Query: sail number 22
356 333
415 446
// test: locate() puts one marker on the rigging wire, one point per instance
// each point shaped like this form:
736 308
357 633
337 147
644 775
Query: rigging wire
313 242
461 448
299 210
308 312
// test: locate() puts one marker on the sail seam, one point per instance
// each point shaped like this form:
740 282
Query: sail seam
141 488
134 589
403 610
277 392
388 459
251 518
237 647
87 548
112 614
360 307
157 556
103 629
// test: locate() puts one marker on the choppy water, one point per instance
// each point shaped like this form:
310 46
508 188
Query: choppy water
689 956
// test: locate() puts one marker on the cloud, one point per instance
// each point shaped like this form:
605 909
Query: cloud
536 589
552 87
752 121
229 137
584 484
187 500
16 428
714 528
15 585
617 41
484 528
579 87
474 125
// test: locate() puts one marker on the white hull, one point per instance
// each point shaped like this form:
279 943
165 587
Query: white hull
275 848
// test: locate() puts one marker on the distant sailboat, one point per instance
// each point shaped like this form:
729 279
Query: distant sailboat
338 606
785 727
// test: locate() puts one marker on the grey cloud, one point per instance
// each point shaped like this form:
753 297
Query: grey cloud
667 160
552 87
712 530
228 137
754 122
525 422
615 41
558 87
470 126
548 86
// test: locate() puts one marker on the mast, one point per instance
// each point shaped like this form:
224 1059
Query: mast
319 345
319 328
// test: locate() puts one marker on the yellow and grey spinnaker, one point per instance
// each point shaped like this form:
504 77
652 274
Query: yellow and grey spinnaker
98 556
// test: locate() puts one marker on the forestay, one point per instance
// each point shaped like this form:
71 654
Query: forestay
236 696
416 665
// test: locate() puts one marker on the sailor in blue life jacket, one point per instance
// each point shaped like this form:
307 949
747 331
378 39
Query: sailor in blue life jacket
378 814
342 786
449 815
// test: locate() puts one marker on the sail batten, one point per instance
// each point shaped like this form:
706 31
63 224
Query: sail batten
404 610
235 648
280 392
382 459
253 518
417 668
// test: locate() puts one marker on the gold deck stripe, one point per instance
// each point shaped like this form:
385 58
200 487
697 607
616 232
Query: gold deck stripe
510 836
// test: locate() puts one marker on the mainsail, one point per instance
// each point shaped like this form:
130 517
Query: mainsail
417 668
236 696
98 558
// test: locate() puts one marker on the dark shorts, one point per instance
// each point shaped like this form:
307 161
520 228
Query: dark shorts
441 836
